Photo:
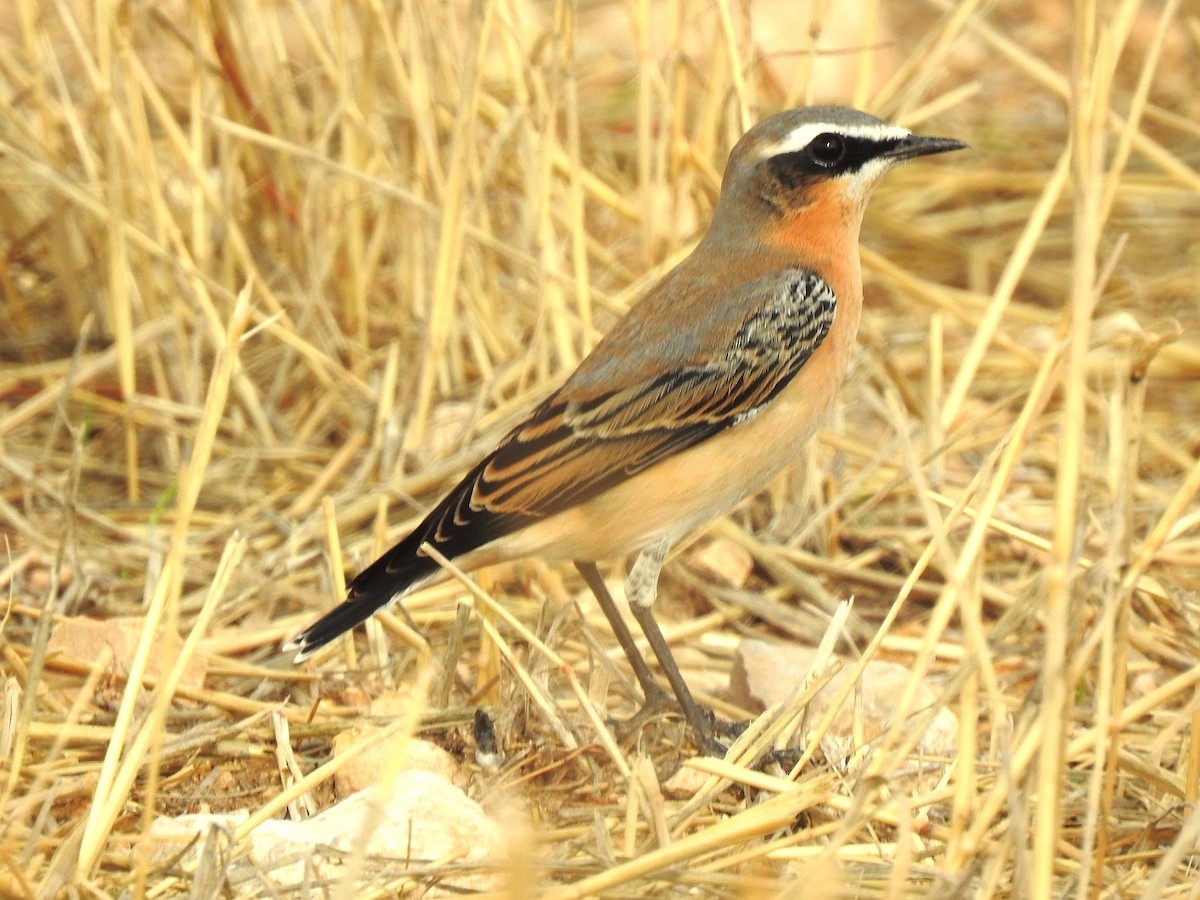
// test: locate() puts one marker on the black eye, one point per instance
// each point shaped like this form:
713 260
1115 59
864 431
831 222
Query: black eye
827 149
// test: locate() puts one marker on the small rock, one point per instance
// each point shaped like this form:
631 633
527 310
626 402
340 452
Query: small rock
81 638
765 673
364 771
425 821
191 831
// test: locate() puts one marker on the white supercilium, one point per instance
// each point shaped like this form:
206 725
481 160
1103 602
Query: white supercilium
801 137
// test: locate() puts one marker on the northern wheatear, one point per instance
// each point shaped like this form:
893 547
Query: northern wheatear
701 393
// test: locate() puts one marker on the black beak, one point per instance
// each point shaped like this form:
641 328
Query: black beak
917 145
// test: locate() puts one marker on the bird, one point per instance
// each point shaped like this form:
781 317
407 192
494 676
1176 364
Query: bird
695 398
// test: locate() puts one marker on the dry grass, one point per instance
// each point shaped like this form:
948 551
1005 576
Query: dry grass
274 274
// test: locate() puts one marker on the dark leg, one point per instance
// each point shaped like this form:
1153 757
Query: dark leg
700 720
655 695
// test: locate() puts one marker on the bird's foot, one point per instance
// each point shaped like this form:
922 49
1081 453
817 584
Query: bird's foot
657 703
778 762
710 732
718 734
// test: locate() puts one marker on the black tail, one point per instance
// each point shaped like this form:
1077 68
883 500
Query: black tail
455 526
393 574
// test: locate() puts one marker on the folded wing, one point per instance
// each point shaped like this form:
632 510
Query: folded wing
579 442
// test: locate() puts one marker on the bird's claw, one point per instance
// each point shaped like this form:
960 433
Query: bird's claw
661 702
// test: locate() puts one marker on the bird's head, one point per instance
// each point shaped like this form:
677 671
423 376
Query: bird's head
820 159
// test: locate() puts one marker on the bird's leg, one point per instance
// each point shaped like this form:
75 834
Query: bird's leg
700 719
655 695
641 589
